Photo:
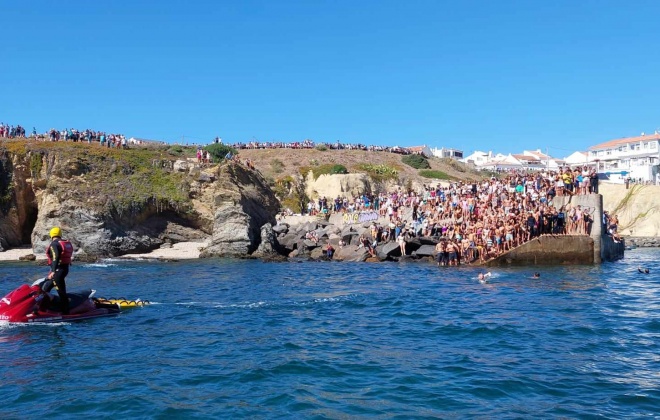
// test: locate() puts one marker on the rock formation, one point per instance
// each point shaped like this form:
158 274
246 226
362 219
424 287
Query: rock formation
114 202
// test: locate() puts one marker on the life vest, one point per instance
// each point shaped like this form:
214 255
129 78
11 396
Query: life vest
66 252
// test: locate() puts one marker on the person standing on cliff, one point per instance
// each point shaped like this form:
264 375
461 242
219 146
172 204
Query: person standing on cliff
59 254
593 185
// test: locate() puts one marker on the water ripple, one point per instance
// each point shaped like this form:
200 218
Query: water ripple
296 340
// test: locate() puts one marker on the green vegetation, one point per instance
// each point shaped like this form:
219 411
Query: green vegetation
291 193
277 166
6 184
182 151
125 183
434 174
416 161
626 199
219 151
36 164
321 147
380 172
326 169
116 180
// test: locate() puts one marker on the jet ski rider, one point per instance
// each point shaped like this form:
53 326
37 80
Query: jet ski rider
59 254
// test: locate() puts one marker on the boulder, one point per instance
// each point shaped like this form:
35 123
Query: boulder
204 177
351 253
181 165
317 253
425 251
391 249
427 240
243 203
310 244
332 229
382 256
268 246
281 228
288 241
350 237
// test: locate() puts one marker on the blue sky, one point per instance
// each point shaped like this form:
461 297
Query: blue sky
474 75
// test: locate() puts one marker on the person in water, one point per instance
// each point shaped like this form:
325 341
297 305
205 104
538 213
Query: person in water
483 276
643 270
59 254
536 275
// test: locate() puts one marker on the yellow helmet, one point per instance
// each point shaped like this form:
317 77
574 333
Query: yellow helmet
55 232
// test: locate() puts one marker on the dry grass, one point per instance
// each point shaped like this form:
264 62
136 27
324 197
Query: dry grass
292 160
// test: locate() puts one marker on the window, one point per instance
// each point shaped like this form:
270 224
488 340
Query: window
654 145
646 145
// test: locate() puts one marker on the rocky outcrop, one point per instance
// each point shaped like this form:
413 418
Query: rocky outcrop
115 202
642 242
243 205
330 186
95 227
18 210
637 208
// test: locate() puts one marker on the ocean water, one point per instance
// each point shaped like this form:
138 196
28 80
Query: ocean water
248 339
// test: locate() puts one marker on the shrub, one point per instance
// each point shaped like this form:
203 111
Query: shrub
379 172
219 151
416 161
321 147
326 169
178 150
434 174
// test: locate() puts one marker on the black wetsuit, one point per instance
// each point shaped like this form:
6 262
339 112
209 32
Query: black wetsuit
61 270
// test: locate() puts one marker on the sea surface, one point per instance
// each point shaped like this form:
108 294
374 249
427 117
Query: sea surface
248 339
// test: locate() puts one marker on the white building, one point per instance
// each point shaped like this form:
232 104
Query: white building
445 152
477 158
634 157
423 150
581 159
542 160
501 162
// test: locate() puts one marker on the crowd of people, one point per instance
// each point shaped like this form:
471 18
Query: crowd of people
475 221
309 144
11 131
88 136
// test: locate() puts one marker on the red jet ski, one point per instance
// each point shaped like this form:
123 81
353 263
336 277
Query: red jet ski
32 304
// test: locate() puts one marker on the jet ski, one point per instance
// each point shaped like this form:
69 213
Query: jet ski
29 304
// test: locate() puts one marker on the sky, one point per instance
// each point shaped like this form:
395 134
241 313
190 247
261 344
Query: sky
559 76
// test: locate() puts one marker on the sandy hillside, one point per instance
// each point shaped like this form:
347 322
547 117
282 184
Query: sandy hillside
275 163
638 207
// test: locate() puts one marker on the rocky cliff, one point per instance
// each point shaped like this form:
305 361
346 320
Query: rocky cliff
113 202
637 207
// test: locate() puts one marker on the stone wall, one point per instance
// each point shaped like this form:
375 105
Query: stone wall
562 249
592 203
611 250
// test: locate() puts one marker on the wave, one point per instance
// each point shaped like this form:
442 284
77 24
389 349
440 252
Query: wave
99 265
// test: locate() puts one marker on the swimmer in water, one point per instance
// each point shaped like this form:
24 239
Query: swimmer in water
483 276
536 275
643 270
